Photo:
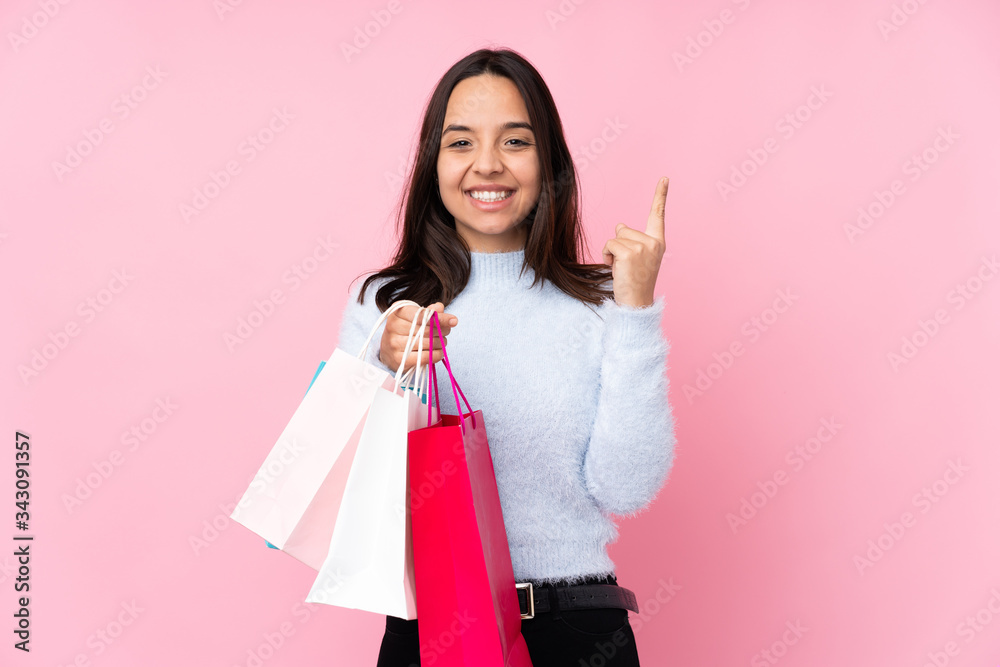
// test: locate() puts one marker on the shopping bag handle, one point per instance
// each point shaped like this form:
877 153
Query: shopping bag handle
418 336
400 376
388 311
436 326
418 386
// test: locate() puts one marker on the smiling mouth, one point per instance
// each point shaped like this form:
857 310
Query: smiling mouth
490 196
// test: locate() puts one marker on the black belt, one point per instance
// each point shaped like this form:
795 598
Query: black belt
587 596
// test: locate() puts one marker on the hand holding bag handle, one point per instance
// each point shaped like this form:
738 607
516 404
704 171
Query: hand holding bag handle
388 311
409 341
415 335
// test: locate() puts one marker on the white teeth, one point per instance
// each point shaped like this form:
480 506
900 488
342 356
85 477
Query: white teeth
490 196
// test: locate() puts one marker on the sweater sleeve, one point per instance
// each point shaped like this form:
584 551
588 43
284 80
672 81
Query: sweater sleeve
631 449
356 323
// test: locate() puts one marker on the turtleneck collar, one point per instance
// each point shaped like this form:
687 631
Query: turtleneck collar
491 270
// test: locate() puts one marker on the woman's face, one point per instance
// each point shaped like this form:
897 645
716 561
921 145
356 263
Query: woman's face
488 151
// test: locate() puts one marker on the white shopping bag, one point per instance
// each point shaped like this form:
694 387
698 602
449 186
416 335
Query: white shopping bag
293 500
369 565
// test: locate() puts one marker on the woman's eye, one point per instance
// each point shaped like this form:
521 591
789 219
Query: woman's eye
520 142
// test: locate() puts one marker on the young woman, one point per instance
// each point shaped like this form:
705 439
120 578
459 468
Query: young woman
569 373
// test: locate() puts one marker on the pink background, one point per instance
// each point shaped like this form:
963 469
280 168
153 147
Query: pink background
331 172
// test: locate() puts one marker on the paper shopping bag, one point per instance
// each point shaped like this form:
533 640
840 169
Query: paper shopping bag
315 375
464 576
293 499
370 562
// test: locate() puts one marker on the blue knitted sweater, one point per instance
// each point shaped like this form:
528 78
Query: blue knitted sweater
575 403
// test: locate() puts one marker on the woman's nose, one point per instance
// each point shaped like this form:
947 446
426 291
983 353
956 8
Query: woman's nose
488 161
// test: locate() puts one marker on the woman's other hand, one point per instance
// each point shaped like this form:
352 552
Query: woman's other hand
397 331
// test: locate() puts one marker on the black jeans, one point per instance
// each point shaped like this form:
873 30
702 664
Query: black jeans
568 638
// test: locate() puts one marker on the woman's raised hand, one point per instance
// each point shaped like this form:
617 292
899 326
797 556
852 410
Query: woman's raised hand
397 331
635 256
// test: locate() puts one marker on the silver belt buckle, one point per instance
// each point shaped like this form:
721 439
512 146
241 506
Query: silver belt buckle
531 599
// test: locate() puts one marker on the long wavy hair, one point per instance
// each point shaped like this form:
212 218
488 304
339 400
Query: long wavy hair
433 262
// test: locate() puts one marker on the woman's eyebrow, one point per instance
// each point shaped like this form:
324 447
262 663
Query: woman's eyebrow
511 125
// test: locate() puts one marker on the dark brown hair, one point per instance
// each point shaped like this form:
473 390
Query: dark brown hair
432 262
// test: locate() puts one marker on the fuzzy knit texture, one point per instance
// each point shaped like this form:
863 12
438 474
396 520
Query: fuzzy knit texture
574 397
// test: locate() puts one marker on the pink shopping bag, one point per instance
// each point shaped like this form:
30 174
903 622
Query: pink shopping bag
466 599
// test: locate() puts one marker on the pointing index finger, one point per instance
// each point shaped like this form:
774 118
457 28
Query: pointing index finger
655 225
